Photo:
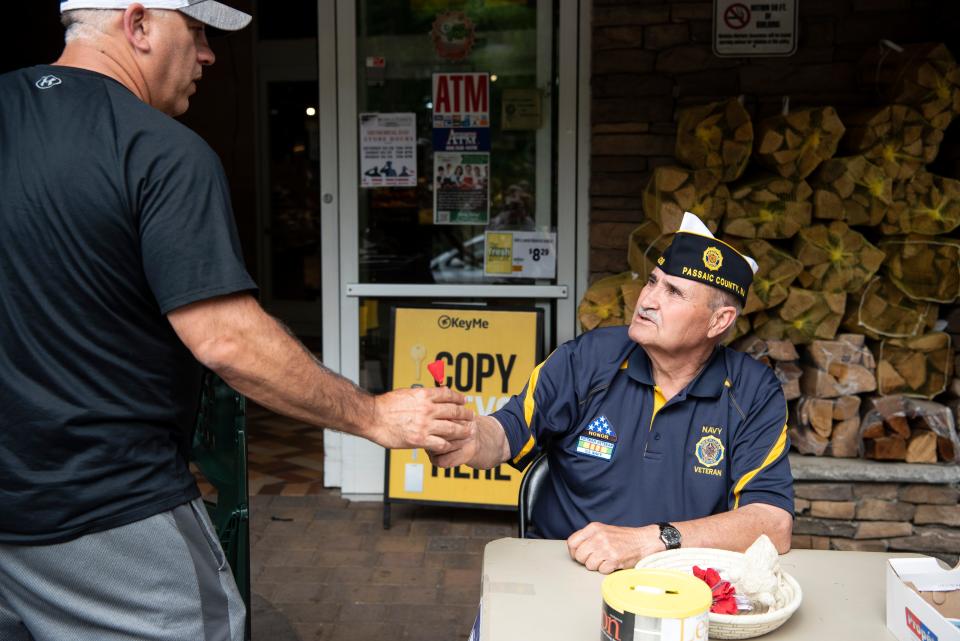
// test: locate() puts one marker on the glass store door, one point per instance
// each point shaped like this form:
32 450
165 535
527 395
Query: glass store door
413 227
296 92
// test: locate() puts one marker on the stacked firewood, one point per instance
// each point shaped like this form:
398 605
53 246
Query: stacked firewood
896 137
828 415
778 270
839 367
603 303
919 366
804 317
884 310
717 136
924 268
926 204
897 428
924 76
781 356
674 190
768 207
795 144
852 189
859 253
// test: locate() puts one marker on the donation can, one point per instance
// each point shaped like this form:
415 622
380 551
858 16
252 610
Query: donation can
654 605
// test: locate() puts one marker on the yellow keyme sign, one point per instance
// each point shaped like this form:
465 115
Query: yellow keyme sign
487 356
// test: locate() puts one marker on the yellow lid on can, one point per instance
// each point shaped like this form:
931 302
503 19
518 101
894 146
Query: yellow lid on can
663 594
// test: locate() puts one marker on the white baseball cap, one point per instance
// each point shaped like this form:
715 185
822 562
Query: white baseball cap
209 12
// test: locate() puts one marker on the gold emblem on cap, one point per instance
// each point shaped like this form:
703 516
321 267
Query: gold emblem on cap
661 260
712 258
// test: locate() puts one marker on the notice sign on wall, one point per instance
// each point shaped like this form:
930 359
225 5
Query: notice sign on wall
743 28
487 356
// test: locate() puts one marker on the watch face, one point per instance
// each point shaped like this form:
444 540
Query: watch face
670 536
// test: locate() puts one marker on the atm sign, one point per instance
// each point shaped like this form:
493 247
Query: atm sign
461 100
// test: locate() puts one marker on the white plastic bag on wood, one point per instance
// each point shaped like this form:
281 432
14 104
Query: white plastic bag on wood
900 418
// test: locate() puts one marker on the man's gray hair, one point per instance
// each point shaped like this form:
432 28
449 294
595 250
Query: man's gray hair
720 299
86 24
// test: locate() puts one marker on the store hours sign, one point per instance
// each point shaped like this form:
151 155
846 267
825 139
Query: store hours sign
742 28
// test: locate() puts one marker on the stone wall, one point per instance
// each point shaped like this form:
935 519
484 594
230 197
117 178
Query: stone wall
919 512
651 57
878 517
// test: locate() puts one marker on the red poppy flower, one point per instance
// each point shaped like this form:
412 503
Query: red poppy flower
724 601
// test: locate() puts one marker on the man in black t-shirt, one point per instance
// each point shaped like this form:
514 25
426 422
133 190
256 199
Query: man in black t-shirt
120 269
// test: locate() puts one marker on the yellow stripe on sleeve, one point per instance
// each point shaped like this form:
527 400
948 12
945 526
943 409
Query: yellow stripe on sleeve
771 457
526 449
529 405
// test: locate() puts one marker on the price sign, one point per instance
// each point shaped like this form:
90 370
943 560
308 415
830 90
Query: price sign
520 254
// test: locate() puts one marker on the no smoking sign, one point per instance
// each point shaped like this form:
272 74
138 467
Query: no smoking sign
743 28
737 16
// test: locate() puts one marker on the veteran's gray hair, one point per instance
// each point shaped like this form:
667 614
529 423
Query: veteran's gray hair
720 298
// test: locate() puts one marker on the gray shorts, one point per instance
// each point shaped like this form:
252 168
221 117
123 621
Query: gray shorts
164 578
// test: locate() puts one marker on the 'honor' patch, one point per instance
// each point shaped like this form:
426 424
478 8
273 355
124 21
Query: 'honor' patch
599 439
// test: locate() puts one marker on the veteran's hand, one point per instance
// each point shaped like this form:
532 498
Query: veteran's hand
606 548
485 446
432 418
461 452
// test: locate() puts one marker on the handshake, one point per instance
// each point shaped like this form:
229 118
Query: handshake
434 419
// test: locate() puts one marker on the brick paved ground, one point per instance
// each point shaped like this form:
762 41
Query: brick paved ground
333 573
324 569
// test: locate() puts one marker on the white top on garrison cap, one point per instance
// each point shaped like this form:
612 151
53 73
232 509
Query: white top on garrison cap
692 224
209 12
697 255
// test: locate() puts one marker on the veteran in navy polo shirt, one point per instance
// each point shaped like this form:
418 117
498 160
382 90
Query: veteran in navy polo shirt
657 436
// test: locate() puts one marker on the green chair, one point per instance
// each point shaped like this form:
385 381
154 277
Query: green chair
220 451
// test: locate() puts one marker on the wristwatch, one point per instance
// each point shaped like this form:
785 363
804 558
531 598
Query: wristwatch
669 535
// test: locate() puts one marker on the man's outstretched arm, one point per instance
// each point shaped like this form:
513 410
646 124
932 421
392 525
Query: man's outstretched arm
258 357
606 548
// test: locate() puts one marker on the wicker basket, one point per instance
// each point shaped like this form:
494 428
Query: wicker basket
728 626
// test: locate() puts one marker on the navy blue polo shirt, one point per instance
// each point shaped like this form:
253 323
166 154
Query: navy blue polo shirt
718 444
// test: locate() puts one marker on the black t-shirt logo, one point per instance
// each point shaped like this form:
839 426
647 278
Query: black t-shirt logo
48 81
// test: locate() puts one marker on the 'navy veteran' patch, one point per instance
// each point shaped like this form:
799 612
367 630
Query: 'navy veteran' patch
598 439
709 451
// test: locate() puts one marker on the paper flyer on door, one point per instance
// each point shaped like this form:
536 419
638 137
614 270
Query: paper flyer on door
388 150
461 188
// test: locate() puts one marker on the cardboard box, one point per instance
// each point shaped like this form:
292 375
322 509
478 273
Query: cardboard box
922 598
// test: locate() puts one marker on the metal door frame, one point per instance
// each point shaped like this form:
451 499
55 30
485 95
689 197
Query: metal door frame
352 463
